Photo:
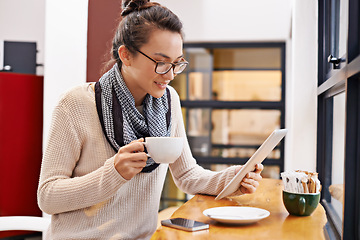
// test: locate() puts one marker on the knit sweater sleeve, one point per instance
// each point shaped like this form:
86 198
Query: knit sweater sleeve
187 174
59 190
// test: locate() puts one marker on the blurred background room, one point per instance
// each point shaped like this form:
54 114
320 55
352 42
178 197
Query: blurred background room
255 66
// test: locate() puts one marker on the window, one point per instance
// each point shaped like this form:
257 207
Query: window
233 97
338 150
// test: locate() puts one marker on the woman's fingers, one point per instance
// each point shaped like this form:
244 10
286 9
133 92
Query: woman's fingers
252 175
130 159
134 146
248 188
138 164
139 157
250 182
249 185
258 168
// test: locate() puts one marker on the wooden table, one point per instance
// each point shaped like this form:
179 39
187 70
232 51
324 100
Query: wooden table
279 225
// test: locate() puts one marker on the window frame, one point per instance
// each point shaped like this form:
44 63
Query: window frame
342 79
215 104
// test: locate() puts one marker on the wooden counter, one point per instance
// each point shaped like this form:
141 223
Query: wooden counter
279 225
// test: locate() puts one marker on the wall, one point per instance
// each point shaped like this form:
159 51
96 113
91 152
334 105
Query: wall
204 21
23 20
293 22
233 20
302 90
64 30
65 48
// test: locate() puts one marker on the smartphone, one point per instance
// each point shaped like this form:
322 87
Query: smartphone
185 224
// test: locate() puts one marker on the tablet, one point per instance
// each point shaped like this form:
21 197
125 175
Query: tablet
261 153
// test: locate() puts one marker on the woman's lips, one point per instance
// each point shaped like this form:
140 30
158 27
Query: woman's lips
162 85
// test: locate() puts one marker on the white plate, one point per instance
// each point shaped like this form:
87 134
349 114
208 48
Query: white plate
236 215
263 151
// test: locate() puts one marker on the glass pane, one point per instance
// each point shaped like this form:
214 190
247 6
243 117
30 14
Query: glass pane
200 69
171 193
198 131
199 124
270 171
334 27
247 85
244 130
343 27
199 86
179 83
200 59
337 179
247 58
240 152
244 126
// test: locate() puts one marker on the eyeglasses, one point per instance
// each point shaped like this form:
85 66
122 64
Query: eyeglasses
164 67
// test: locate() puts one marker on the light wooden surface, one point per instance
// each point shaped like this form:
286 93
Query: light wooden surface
279 225
165 214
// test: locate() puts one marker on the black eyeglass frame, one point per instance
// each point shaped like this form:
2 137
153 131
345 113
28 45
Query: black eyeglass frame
173 64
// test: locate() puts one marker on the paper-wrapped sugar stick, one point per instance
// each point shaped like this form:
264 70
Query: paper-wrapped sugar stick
304 182
301 181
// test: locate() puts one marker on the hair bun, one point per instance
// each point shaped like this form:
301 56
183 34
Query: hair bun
130 6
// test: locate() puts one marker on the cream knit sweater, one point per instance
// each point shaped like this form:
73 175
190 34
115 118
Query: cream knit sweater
87 197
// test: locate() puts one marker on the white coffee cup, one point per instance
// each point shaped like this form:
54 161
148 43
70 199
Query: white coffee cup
164 149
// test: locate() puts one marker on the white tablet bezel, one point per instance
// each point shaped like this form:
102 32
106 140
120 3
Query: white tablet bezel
261 153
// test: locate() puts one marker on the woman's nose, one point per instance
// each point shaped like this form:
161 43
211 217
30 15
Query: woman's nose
169 75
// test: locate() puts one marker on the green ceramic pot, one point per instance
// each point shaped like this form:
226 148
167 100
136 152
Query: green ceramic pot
301 204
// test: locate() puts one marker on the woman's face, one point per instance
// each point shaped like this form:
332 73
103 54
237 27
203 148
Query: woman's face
140 75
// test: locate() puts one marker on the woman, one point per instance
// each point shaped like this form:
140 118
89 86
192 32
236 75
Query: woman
96 180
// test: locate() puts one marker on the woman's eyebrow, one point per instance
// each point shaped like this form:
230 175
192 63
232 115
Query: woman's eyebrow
165 56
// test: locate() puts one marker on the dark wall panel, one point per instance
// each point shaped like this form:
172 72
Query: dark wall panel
103 17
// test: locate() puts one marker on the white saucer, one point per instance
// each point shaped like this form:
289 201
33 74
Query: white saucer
236 215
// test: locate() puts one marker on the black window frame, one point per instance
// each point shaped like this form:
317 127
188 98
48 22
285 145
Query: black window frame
214 104
343 78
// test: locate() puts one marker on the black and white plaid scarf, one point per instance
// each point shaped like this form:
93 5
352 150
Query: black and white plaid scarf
121 121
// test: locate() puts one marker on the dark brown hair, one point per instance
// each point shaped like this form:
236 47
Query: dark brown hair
140 18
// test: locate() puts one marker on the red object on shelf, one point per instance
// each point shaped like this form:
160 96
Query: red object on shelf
21 124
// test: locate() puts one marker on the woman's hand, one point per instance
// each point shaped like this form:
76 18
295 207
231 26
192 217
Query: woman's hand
251 181
131 159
